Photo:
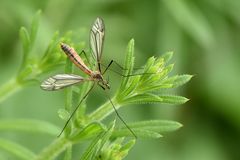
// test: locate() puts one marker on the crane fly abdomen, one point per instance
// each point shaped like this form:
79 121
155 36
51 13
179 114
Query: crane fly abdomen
75 58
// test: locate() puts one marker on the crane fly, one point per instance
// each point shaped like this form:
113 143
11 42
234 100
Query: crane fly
61 81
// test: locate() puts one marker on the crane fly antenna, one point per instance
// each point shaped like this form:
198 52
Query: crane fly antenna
74 111
119 116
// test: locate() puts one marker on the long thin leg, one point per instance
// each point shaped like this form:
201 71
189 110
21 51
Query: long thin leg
107 67
74 111
111 62
117 64
99 67
129 75
122 67
120 116
84 53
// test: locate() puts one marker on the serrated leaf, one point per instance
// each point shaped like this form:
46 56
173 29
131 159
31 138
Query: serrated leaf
167 56
148 129
147 69
138 132
151 88
127 146
130 88
51 47
178 80
34 27
108 133
143 98
159 126
16 149
173 99
149 64
129 62
29 125
88 132
63 114
115 149
24 36
167 70
92 147
97 143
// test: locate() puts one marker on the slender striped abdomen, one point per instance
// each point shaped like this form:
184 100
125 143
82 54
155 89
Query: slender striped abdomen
75 58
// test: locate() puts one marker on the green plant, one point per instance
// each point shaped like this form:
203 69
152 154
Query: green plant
107 141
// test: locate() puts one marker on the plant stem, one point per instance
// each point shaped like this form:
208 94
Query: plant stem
104 110
9 88
68 153
54 149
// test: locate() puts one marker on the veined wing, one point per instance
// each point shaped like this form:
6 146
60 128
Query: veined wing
96 38
60 81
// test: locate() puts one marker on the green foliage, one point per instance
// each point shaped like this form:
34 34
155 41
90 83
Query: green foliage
147 85
147 129
16 149
29 125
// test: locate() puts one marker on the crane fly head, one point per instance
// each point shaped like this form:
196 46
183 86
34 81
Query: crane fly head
102 82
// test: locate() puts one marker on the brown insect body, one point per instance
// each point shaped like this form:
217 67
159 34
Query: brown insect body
77 60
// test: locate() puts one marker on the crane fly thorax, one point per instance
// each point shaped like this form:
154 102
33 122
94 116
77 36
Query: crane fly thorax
97 76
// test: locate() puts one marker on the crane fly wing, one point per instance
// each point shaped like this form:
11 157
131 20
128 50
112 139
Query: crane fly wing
60 81
97 38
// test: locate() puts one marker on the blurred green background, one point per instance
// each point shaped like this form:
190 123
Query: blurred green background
205 37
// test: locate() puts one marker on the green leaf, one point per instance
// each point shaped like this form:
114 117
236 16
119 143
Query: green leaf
149 64
87 132
148 129
16 149
97 144
171 82
68 153
159 126
177 80
24 36
166 70
172 99
51 49
115 149
155 87
129 63
63 114
167 57
34 27
182 79
143 98
130 88
147 69
127 146
138 132
29 125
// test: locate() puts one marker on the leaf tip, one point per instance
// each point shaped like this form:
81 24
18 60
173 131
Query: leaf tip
179 125
185 100
131 41
167 56
159 136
